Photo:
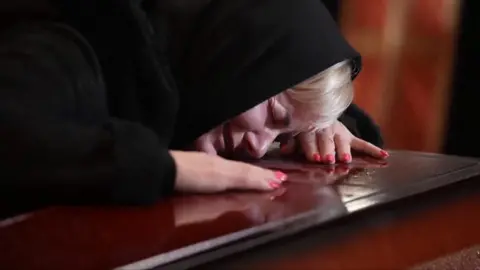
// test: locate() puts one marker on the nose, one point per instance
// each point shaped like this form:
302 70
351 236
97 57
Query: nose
258 143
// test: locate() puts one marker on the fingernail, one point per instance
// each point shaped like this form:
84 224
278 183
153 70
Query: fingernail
317 157
347 157
384 153
274 184
283 148
330 158
280 176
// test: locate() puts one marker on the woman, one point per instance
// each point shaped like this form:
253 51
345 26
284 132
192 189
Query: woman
89 110
240 55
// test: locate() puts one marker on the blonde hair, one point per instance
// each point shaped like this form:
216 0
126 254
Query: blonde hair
323 98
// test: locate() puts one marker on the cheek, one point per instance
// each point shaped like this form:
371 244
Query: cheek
206 142
252 120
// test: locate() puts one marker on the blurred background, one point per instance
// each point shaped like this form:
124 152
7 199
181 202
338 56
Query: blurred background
418 80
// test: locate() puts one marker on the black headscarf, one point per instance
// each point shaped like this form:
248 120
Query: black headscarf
242 52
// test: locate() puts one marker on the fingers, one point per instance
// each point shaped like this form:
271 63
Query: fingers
202 173
308 142
318 146
368 148
343 149
326 145
257 178
329 144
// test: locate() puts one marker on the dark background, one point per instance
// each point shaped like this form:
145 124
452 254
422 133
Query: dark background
463 133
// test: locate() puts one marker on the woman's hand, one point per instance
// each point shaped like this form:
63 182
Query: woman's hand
199 172
331 144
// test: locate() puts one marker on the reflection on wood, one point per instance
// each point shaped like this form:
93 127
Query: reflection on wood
143 237
393 241
408 49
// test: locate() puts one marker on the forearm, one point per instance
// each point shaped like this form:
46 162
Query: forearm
59 144
64 163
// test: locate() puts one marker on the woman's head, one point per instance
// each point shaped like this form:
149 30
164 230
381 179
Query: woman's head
312 104
251 62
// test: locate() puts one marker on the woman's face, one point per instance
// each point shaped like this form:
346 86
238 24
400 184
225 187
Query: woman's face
252 131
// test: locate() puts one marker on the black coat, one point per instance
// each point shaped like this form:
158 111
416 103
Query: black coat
228 56
112 85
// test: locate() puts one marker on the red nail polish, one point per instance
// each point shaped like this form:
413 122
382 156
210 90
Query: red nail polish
330 158
317 157
280 176
283 148
274 184
347 157
384 153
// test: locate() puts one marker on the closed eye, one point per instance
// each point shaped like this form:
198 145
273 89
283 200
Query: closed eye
280 117
283 122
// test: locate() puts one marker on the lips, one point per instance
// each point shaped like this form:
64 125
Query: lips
243 151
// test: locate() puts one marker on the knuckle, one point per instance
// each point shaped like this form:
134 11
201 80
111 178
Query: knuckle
249 175
341 142
306 137
308 144
326 139
342 138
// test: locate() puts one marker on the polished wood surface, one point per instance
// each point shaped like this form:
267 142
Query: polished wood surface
189 230
433 231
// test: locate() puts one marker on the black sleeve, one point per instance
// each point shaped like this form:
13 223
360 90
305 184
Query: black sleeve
58 144
362 125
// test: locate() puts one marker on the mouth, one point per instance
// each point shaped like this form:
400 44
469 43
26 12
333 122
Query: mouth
244 151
